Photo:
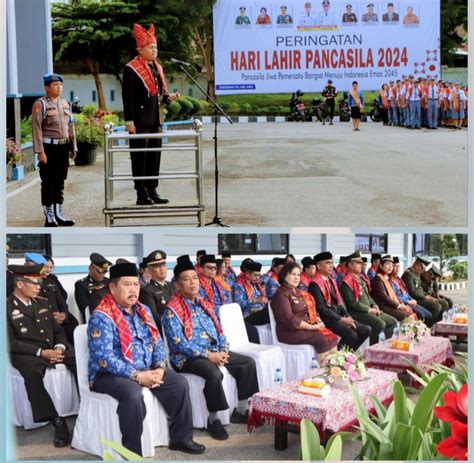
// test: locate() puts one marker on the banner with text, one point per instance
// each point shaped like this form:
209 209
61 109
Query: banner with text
269 47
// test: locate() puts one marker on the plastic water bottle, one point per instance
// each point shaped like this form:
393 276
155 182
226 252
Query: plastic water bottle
278 377
445 316
382 336
396 331
314 364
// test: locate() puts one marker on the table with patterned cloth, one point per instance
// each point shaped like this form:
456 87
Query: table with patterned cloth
285 407
444 328
429 351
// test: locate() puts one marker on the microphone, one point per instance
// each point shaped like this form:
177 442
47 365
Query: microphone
177 61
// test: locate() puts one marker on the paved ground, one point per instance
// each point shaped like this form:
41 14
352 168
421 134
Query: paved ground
297 174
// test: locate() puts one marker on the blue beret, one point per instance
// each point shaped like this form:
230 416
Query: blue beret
35 257
48 78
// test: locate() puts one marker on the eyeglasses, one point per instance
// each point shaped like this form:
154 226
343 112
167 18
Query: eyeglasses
102 271
210 267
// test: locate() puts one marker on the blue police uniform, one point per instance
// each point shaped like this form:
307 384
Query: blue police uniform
422 313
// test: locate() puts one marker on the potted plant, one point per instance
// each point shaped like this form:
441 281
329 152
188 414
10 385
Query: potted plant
14 158
89 136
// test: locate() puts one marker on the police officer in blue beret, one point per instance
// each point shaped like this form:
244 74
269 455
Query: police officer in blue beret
54 142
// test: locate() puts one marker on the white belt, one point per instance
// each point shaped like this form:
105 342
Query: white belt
55 141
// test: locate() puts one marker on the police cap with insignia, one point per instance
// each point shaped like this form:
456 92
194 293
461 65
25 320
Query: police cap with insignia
50 78
307 261
375 256
208 259
155 257
326 255
386 258
253 267
35 258
183 263
125 269
354 257
436 271
31 273
99 260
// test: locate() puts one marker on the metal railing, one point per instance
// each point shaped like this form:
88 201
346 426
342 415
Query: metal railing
174 141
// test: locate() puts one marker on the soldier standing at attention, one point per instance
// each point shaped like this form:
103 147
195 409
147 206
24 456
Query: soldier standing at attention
54 142
329 93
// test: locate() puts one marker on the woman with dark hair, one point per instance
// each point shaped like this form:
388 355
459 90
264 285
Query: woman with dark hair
297 321
384 295
220 277
356 102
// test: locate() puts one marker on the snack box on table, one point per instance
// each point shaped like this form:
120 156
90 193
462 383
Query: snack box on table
314 386
402 344
460 318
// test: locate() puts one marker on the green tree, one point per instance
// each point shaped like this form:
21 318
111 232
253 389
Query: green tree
453 20
445 246
94 31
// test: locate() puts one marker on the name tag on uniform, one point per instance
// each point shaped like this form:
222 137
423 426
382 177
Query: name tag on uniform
16 312
42 311
15 317
295 300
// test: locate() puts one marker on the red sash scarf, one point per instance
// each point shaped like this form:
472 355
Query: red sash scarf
313 314
273 276
383 96
209 290
110 308
455 100
178 305
351 281
388 287
248 287
325 288
140 66
364 277
305 279
223 283
399 282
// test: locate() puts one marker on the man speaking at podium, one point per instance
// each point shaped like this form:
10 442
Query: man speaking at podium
144 94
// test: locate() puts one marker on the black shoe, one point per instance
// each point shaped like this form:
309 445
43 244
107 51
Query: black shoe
239 418
156 198
187 446
216 430
61 432
47 223
60 217
331 123
145 201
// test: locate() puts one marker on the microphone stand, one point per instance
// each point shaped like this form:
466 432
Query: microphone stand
217 110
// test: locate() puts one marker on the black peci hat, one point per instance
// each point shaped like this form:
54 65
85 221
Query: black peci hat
208 259
326 255
183 263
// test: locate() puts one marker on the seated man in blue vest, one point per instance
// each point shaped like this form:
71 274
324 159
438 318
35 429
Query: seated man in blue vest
249 293
197 345
270 280
210 289
126 354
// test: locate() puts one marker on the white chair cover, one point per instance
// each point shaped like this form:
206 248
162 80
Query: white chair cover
297 356
60 384
265 334
98 418
267 358
198 401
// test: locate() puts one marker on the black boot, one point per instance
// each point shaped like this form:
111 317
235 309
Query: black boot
61 432
50 220
156 198
59 214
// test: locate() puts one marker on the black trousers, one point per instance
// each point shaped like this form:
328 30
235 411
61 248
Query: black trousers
258 318
252 333
173 395
350 337
329 107
146 163
384 115
241 367
53 174
33 369
69 325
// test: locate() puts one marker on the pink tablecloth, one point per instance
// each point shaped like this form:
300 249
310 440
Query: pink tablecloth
429 351
450 329
334 413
